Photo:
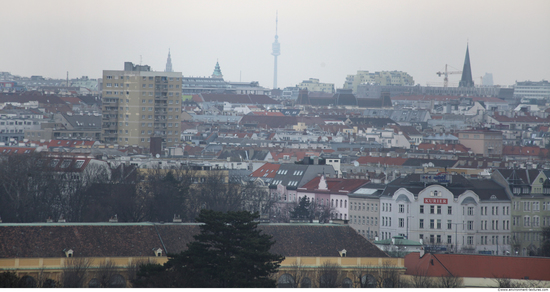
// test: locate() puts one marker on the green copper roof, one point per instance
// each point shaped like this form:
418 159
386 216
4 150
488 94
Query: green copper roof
399 240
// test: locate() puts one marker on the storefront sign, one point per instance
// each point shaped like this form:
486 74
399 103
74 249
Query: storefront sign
435 201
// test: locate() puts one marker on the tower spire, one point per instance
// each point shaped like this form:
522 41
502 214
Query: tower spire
169 63
466 80
217 71
276 50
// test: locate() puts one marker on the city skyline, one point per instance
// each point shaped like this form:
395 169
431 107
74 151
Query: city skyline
327 40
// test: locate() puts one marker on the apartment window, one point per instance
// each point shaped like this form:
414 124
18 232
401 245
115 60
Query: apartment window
449 210
421 209
526 206
449 224
438 223
439 210
421 224
432 209
449 239
432 238
536 206
470 240
470 225
432 223
401 208
470 211
401 222
438 238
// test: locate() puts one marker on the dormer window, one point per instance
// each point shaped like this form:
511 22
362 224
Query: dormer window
69 253
158 252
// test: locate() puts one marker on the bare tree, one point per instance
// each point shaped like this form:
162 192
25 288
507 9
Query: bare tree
105 273
75 272
329 275
506 282
449 281
421 280
298 273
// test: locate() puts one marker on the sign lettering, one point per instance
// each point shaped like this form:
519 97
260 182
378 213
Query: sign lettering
435 201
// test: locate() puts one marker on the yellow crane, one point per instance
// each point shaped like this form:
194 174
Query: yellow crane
446 73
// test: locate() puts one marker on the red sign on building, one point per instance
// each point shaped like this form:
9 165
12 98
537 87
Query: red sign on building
435 201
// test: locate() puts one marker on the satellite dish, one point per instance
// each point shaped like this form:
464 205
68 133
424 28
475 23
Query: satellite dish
157 156
339 155
356 164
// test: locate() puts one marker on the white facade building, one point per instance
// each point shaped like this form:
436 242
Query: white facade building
455 214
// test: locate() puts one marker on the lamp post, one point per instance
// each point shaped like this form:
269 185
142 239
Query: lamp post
456 236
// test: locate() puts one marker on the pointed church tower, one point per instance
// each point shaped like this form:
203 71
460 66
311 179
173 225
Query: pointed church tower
169 63
466 80
217 71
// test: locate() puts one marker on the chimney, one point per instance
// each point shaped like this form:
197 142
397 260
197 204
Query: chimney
421 252
113 219
177 219
61 219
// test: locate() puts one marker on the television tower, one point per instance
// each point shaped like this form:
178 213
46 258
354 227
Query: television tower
276 51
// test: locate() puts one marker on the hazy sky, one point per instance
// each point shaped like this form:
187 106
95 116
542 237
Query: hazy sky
319 39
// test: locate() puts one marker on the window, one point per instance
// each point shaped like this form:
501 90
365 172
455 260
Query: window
449 239
536 206
449 210
438 223
470 225
432 209
401 222
470 240
470 211
526 221
439 210
421 224
401 208
432 223
432 238
421 209
449 224
438 238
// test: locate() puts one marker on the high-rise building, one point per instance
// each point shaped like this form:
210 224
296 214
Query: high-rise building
384 78
466 80
276 52
139 104
169 63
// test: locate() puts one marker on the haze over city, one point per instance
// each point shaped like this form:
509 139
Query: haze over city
319 39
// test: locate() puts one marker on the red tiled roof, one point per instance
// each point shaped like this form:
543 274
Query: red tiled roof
444 147
70 143
269 168
521 119
478 266
524 150
16 150
381 160
273 114
336 185
298 154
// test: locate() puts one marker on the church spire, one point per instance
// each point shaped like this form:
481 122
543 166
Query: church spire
169 63
467 80
217 71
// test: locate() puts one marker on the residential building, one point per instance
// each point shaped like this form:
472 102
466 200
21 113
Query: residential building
381 78
364 210
139 104
530 189
448 212
313 84
486 142
532 90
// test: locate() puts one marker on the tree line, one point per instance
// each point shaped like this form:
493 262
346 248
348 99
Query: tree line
30 191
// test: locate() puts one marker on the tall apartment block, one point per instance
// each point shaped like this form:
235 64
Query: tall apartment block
139 104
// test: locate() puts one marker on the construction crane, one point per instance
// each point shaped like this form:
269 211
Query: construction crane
446 73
